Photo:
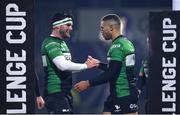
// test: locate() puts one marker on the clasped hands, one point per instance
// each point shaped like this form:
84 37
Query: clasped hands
92 62
83 85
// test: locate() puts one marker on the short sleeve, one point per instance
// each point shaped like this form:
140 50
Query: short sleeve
53 50
116 53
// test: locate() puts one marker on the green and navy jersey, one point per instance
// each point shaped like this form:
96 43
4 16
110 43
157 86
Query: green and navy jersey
144 67
123 50
55 80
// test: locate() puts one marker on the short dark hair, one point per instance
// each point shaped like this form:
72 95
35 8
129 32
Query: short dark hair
62 15
112 17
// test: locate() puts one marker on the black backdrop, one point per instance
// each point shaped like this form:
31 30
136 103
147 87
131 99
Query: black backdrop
17 56
164 73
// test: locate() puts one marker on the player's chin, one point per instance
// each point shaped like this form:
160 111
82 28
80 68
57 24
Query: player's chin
68 35
106 38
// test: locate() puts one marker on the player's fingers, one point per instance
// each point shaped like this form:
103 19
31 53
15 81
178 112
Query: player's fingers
90 61
43 105
39 105
76 87
89 57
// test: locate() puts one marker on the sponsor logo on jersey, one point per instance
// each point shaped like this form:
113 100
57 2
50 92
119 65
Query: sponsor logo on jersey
67 56
116 46
133 106
65 110
117 108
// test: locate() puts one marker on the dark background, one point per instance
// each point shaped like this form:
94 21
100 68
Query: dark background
86 40
156 80
16 50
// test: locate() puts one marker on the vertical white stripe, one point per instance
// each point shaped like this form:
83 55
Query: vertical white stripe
44 61
176 5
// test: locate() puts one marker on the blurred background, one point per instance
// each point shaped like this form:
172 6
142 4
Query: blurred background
86 39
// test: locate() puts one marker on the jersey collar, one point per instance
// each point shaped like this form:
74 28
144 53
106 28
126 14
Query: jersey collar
118 37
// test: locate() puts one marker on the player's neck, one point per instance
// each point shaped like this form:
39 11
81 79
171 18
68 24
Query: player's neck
115 35
56 34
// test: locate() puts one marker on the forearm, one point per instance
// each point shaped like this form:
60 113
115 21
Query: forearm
37 88
103 66
66 65
141 82
110 74
101 79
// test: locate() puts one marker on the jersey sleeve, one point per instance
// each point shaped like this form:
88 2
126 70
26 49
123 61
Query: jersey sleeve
53 50
111 74
116 54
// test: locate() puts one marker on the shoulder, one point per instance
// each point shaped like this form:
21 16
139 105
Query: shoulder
51 42
127 45
122 42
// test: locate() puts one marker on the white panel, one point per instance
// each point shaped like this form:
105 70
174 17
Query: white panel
176 4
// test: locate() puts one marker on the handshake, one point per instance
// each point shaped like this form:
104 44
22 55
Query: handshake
92 62
82 85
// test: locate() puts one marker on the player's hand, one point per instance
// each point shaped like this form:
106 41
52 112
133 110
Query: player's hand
40 102
96 61
139 91
91 63
81 86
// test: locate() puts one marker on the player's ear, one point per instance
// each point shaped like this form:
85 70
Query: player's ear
111 27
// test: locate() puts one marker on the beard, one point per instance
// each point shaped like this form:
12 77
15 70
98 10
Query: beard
107 36
65 33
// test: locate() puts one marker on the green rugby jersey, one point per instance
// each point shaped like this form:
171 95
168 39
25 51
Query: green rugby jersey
55 79
123 50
